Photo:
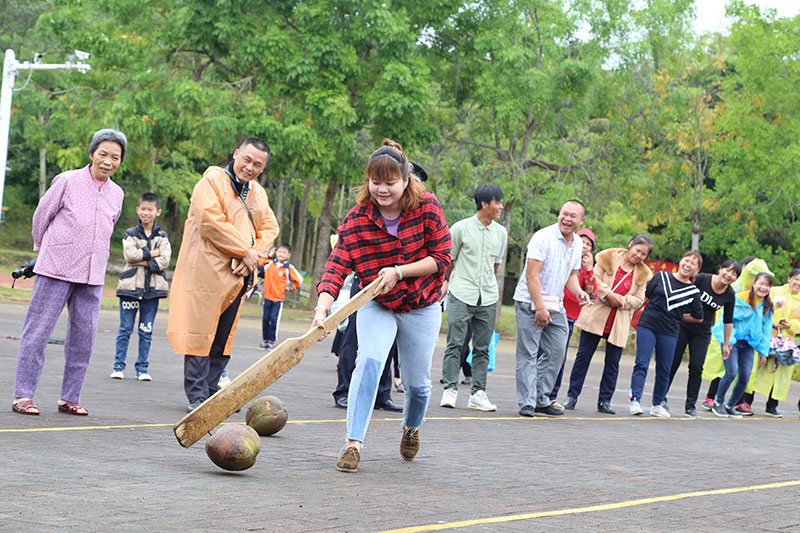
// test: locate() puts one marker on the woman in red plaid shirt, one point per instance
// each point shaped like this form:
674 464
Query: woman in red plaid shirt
397 231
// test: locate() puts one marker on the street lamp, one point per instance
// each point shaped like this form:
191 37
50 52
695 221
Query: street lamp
10 69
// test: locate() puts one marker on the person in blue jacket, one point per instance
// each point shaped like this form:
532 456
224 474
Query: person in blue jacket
752 328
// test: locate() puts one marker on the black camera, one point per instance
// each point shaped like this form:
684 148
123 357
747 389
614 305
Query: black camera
25 271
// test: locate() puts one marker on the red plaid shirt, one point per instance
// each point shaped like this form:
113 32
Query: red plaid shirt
365 246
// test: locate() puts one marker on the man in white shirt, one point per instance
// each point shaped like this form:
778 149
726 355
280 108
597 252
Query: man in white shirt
553 262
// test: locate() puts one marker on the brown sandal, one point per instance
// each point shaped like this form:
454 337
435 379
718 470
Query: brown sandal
25 407
72 408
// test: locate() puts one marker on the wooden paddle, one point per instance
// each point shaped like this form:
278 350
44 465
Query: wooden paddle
261 375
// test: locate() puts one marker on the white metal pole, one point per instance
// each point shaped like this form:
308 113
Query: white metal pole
10 68
9 77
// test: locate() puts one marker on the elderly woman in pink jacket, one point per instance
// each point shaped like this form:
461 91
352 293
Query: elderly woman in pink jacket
71 231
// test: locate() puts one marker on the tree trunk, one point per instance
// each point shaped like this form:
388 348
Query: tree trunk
279 188
42 165
302 219
172 223
323 239
312 250
290 235
696 231
501 270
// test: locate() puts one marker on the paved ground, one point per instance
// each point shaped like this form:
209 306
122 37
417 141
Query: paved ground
121 469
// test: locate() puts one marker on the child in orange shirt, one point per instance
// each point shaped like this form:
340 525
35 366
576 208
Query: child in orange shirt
279 276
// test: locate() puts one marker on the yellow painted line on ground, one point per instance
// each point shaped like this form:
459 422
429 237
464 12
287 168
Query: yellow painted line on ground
396 419
592 508
81 428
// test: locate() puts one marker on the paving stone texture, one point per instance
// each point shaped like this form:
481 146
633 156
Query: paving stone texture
471 466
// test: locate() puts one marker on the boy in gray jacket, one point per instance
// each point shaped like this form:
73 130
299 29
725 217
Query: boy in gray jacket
143 282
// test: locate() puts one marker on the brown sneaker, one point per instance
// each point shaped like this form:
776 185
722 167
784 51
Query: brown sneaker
409 445
348 460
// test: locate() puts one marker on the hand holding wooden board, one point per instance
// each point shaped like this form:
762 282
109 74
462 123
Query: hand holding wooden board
261 375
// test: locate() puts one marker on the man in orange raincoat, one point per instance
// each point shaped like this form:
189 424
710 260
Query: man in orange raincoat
228 232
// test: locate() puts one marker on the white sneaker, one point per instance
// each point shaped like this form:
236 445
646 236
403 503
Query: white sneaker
117 374
480 401
658 410
636 408
224 382
449 397
144 376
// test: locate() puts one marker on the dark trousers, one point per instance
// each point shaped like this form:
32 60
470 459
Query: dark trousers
554 393
344 371
698 347
772 403
270 318
345 346
712 388
201 374
586 348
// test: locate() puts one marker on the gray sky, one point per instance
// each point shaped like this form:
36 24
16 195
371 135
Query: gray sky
711 13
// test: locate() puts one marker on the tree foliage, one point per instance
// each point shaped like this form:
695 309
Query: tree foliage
693 139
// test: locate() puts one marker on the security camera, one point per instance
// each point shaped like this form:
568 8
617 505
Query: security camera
37 57
82 56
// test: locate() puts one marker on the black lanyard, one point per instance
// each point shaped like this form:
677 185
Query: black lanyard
242 197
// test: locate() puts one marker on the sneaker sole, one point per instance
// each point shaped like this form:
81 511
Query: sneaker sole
637 413
547 415
772 415
719 414
347 470
448 405
144 379
479 408
687 415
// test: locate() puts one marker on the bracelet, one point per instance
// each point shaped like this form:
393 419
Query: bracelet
399 274
327 311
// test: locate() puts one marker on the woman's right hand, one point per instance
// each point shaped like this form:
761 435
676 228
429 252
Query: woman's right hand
319 318
613 300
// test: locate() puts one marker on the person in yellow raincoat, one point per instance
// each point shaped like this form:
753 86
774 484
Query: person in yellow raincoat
773 374
228 232
713 367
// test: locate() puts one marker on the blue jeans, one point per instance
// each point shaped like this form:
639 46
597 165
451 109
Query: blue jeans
664 345
417 332
739 363
270 318
128 308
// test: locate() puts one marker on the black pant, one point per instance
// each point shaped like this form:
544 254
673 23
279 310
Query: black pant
345 345
346 365
201 374
772 403
698 347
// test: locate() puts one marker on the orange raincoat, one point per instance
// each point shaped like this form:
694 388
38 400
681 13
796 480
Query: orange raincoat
217 230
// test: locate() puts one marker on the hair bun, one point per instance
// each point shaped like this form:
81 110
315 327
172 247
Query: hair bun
392 144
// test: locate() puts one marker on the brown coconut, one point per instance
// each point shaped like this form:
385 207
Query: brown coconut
234 447
267 415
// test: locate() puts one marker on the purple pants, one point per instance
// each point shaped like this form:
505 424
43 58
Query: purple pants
47 302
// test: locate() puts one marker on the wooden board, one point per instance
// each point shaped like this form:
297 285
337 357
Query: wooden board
261 374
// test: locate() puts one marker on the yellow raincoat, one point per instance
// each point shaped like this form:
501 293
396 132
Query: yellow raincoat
713 367
217 230
767 378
